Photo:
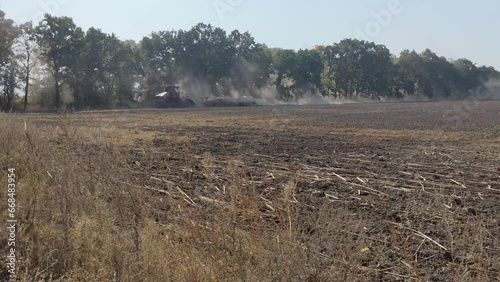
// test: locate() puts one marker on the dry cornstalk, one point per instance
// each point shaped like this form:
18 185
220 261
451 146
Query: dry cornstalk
458 183
163 180
341 178
213 201
157 190
420 234
188 199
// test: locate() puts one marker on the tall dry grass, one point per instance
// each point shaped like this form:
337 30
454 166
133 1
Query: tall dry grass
82 218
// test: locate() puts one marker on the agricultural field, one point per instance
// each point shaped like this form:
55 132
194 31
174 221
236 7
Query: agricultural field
352 192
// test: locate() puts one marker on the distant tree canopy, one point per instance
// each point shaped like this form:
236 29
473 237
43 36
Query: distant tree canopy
65 65
9 70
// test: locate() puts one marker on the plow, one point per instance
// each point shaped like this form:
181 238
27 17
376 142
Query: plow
172 98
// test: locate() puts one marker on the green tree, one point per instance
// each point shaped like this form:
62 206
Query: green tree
251 68
9 70
8 33
307 74
26 49
59 40
484 87
159 54
101 60
467 76
357 68
206 53
9 82
284 64
127 73
377 68
411 71
438 75
401 83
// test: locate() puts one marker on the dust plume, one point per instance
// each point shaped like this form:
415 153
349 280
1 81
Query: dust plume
490 90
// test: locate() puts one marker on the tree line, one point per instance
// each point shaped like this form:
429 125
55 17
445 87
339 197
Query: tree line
55 63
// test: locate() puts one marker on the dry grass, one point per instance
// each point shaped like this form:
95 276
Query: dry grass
83 220
89 211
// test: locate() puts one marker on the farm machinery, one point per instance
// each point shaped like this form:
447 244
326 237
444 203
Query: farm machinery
172 98
229 102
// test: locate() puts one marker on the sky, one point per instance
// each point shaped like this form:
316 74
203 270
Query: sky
453 29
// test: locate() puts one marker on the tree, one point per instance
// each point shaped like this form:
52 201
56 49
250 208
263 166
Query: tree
58 39
206 53
9 82
159 56
26 49
401 84
411 73
467 76
251 68
8 65
8 33
438 74
486 80
126 70
285 64
377 68
357 68
95 77
307 74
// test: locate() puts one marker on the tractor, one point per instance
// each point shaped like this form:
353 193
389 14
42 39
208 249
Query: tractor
171 98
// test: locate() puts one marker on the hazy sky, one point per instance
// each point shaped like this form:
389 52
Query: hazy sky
451 28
